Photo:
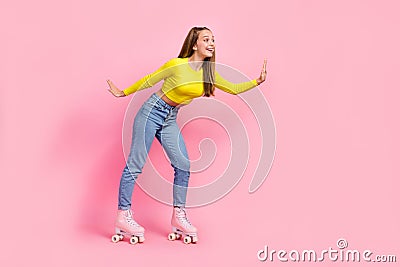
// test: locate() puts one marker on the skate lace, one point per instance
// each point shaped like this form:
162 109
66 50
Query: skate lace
181 215
130 220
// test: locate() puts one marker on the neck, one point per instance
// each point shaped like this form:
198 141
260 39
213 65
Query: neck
196 61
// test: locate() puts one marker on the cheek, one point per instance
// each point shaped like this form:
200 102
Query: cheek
201 45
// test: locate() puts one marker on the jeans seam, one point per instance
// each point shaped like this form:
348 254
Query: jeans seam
162 114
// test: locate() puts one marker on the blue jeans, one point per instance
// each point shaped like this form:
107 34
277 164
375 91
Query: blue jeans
155 119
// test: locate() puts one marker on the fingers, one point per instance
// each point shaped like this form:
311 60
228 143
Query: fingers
109 83
264 69
112 86
111 89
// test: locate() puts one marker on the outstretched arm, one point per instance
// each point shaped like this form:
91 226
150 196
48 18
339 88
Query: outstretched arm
237 88
147 81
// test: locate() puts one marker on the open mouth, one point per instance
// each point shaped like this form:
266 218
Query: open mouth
210 50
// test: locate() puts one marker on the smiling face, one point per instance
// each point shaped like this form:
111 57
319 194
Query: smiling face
205 45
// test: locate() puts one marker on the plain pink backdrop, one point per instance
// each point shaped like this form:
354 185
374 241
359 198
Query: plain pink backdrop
332 87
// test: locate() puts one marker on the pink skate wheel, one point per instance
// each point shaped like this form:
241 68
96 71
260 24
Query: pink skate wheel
116 238
134 240
187 240
171 236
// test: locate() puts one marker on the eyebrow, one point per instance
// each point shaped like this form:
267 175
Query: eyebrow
207 36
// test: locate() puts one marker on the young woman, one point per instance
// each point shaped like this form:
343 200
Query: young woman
192 74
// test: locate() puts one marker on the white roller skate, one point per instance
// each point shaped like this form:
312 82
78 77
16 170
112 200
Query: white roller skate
126 225
181 227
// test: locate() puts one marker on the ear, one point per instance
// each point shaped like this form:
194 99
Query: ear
195 47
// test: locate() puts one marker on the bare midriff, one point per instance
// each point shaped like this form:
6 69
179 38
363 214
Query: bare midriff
166 99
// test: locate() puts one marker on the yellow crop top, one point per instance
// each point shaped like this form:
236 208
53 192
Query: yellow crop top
182 83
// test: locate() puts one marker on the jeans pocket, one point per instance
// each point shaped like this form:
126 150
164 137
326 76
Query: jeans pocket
146 109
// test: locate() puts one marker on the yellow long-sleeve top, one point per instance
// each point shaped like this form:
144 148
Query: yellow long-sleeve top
182 83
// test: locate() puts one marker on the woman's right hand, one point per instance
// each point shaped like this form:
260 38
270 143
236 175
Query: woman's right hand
114 90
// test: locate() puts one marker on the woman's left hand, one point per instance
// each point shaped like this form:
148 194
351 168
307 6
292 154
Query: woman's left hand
263 74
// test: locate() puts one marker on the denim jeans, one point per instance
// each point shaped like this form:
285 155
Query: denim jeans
155 119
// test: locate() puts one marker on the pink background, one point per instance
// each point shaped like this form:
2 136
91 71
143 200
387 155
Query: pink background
332 86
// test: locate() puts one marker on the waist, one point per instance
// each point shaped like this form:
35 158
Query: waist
156 100
166 100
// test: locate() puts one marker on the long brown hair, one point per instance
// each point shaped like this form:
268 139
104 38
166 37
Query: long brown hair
208 63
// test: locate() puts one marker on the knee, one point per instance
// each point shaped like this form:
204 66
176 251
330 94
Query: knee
135 162
131 172
182 168
183 165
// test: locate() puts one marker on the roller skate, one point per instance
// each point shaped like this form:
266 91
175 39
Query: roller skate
181 227
126 225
